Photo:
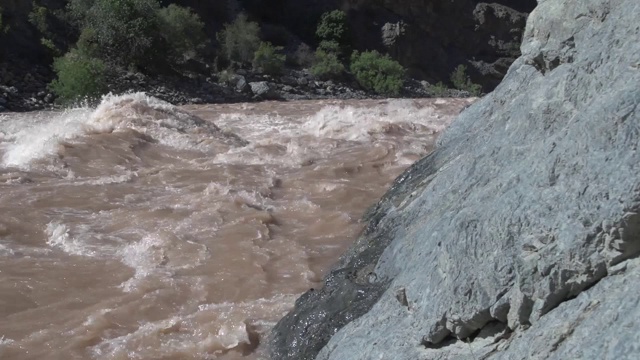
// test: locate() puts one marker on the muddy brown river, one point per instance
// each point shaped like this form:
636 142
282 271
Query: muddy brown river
140 230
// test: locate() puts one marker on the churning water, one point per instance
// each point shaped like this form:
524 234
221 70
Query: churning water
140 230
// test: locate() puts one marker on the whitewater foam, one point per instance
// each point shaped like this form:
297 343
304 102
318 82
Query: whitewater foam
147 115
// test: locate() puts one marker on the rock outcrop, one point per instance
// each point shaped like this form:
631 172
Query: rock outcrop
519 236
431 38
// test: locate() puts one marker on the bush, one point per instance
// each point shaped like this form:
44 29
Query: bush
333 33
125 32
240 40
330 47
79 76
303 56
183 32
438 90
38 18
268 60
327 66
377 72
461 81
50 46
333 27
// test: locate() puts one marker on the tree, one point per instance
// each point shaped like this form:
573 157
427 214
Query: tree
240 40
461 81
183 32
79 76
333 27
268 59
377 72
125 32
327 65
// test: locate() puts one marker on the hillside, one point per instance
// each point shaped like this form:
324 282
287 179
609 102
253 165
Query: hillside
429 39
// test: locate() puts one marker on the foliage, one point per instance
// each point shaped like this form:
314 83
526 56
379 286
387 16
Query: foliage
268 60
330 47
327 65
333 27
50 46
123 32
183 32
79 76
240 40
225 76
461 81
377 72
439 89
137 33
303 56
333 33
38 18
77 9
1 27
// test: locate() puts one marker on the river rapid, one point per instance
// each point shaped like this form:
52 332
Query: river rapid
141 230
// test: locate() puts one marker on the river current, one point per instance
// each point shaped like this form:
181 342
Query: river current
141 230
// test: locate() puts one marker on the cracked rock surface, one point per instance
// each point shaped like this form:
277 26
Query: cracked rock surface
519 237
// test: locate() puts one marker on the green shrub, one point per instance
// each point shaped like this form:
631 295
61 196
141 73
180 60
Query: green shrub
240 40
183 32
78 9
268 60
330 47
225 76
303 56
124 32
333 27
327 65
50 46
38 18
439 89
78 77
333 33
377 72
461 81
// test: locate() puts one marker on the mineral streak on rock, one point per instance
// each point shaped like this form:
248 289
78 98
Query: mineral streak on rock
519 236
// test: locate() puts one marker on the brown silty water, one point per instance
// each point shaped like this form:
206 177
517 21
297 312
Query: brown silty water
139 230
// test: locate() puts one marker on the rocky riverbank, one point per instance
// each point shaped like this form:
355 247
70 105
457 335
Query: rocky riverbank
519 236
26 89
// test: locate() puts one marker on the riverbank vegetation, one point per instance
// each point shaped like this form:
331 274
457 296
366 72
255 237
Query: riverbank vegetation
95 43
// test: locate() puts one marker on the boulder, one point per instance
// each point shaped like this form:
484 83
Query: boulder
519 236
263 90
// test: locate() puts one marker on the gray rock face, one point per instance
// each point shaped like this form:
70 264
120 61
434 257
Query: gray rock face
518 238
431 38
262 90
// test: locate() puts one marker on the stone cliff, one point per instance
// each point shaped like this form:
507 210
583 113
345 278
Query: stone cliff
519 236
431 38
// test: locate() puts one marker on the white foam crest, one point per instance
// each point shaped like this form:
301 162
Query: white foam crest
151 116
58 236
210 329
128 176
159 256
359 124
41 139
148 115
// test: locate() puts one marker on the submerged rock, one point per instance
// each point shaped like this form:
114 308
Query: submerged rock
519 236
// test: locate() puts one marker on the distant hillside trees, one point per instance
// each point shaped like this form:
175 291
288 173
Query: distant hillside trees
138 34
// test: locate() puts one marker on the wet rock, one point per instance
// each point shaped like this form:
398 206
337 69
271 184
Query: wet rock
519 236
262 90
